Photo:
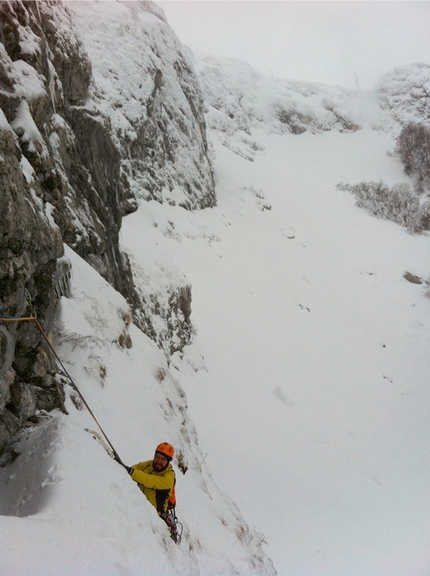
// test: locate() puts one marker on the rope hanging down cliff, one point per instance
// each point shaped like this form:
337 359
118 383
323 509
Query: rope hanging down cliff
4 318
169 516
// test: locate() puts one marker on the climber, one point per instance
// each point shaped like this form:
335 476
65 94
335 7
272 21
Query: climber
156 479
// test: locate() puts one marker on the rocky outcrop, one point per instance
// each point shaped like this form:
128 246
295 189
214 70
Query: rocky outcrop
162 313
50 194
149 92
30 247
68 146
79 148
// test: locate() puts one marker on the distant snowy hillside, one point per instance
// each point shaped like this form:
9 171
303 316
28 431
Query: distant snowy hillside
240 99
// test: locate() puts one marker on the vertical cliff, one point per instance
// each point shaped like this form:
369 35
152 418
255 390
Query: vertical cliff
84 136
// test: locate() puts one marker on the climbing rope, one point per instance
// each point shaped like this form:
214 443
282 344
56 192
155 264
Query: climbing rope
170 518
4 318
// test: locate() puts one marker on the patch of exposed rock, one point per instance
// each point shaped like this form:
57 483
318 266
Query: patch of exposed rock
31 249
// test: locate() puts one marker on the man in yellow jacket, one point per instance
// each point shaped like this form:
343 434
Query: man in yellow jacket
156 477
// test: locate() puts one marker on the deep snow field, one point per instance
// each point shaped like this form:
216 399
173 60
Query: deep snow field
313 405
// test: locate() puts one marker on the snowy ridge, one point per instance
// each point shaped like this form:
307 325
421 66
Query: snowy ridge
239 99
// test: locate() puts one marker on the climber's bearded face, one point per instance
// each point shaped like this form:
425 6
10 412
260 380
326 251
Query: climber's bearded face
160 462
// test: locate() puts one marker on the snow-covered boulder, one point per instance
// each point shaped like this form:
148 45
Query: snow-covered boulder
405 94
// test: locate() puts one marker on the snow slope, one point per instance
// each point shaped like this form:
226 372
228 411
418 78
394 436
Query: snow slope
313 404
67 508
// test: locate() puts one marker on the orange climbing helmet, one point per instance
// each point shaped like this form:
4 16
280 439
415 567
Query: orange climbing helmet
166 450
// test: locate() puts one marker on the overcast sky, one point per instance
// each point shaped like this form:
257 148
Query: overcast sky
331 42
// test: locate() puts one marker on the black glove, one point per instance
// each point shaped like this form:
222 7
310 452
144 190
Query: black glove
118 459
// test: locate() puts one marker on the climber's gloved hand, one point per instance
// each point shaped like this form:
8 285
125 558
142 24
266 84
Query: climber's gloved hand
128 468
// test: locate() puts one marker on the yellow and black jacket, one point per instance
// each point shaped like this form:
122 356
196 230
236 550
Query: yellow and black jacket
157 486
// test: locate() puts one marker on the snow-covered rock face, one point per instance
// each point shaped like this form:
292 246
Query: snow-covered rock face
66 147
145 86
45 193
87 126
30 245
